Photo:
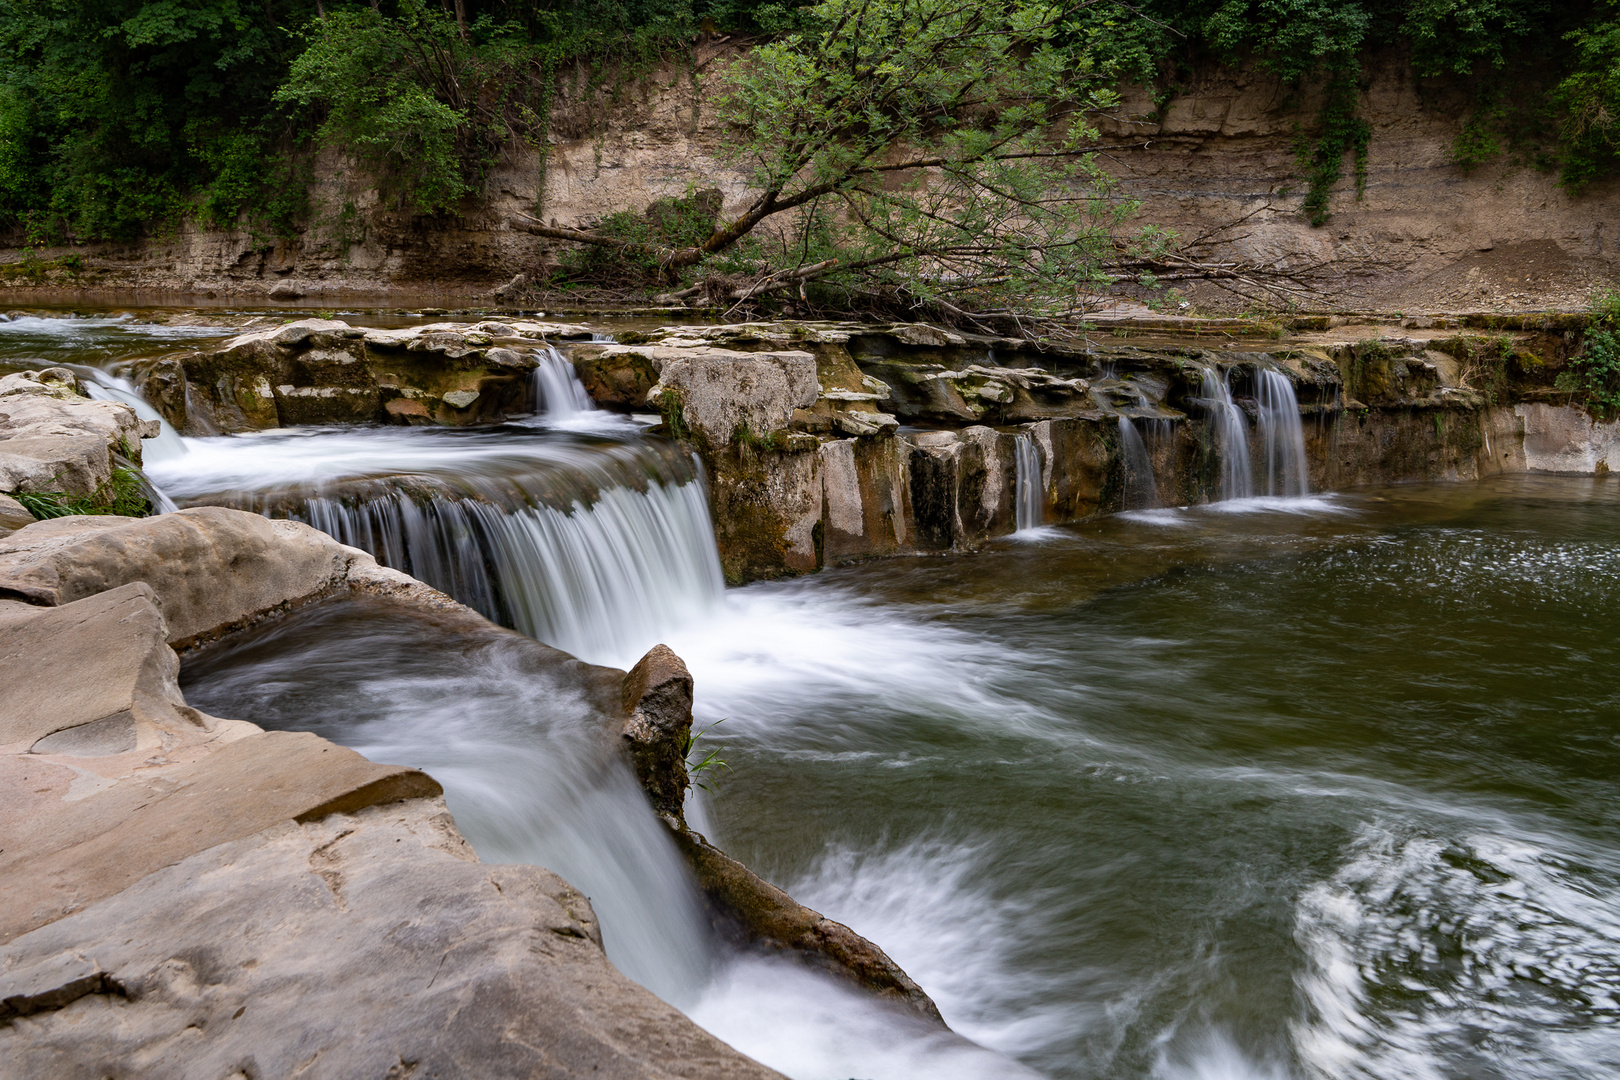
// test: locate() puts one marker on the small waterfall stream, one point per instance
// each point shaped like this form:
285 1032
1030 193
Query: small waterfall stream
1285 473
558 393
1027 508
1141 489
1230 429
1283 434
105 386
596 547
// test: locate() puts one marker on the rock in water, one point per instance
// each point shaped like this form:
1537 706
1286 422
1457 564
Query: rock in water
658 697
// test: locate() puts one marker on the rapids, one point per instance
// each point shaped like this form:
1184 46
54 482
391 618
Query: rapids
1284 786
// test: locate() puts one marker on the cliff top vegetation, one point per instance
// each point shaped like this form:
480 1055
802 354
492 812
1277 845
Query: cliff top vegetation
120 118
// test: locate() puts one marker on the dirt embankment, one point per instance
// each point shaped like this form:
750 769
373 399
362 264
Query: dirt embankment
1426 235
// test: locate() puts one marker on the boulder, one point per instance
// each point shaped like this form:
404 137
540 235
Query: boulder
74 853
100 675
52 439
657 695
211 569
13 515
367 943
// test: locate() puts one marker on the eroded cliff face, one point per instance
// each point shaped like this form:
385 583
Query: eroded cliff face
1427 235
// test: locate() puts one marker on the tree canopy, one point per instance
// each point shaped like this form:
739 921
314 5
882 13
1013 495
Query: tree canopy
118 117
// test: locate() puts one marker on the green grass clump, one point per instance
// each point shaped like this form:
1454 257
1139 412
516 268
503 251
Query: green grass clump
123 495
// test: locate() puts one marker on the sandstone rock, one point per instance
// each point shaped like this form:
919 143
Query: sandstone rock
13 515
101 662
210 568
324 371
363 944
74 853
863 424
51 439
759 915
962 486
616 377
723 395
1561 439
657 696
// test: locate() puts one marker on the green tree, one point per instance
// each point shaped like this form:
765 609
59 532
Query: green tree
939 147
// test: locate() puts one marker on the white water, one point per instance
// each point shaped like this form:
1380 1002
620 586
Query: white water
510 740
1141 489
107 387
1029 498
1283 435
593 547
559 394
1230 429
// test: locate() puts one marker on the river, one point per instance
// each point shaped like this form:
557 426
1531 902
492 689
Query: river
1321 786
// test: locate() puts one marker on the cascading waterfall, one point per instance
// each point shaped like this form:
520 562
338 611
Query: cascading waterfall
558 393
1027 509
1230 429
1141 489
1283 434
103 386
597 549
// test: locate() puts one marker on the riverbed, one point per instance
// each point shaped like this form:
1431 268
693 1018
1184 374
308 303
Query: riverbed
1319 786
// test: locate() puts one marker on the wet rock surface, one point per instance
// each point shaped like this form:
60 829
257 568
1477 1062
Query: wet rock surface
188 896
908 444
743 907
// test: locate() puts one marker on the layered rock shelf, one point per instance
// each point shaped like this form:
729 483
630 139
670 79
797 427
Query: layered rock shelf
324 371
907 443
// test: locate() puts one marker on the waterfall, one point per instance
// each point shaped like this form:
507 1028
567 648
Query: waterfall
1230 429
105 387
1283 434
558 393
602 580
1027 501
596 549
1141 490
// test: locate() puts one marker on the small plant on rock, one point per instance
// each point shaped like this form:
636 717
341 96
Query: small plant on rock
705 771
1593 376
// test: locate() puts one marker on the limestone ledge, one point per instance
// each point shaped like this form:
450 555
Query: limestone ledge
188 896
325 371
908 442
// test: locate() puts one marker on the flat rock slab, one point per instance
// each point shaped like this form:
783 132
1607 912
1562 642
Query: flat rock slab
367 945
99 660
70 854
211 568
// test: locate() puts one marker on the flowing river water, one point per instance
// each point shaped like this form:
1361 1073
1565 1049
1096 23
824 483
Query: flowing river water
1311 786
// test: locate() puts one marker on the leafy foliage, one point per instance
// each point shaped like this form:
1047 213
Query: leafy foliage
1593 375
121 117
930 142
1590 102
